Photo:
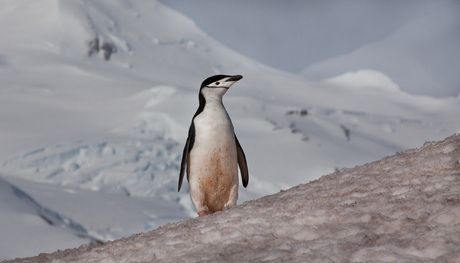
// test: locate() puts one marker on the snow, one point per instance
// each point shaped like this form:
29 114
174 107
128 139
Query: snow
23 216
364 79
97 143
403 208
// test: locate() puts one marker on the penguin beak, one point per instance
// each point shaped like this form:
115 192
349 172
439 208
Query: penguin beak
234 78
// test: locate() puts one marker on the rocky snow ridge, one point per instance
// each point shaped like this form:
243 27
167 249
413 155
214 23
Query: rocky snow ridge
403 208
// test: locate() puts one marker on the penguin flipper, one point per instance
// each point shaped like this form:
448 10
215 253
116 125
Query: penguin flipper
242 163
188 147
183 164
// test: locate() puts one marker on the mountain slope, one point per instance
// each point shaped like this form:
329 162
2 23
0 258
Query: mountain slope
403 207
76 125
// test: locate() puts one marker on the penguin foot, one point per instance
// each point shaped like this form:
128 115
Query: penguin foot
203 210
203 213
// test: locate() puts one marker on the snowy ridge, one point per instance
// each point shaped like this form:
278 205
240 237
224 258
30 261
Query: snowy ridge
402 208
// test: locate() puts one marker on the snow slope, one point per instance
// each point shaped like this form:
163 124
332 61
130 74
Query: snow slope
22 216
403 208
99 141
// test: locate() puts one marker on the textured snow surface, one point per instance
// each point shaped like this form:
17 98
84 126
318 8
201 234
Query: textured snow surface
403 208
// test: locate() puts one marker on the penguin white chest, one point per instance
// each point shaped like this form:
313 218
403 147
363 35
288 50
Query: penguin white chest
213 127
213 160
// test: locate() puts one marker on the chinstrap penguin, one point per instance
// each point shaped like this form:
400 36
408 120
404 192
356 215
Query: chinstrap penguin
212 152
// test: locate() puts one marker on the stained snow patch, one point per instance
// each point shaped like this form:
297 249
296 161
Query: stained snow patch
382 211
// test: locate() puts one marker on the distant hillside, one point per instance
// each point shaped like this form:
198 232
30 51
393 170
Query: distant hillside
402 208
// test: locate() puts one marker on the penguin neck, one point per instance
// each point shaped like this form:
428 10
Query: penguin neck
212 100
209 98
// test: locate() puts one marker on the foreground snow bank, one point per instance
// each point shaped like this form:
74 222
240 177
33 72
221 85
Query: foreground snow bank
403 207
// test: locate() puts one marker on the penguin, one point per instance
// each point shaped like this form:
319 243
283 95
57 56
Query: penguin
212 152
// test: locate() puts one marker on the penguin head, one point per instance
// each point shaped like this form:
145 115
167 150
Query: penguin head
218 85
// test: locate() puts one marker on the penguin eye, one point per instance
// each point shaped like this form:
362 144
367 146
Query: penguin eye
217 83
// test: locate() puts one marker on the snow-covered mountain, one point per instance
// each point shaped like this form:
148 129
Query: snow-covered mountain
96 98
420 55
